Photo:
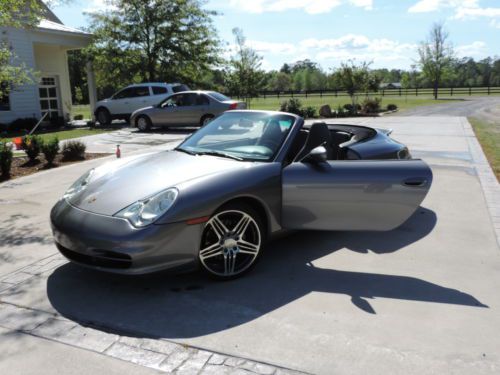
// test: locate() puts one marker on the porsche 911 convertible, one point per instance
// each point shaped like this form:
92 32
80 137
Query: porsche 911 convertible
214 200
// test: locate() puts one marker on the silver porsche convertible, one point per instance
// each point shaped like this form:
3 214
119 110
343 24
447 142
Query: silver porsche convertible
213 201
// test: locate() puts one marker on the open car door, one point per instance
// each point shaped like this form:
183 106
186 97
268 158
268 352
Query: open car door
353 195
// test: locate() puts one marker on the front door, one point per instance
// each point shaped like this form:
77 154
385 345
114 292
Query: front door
353 195
49 98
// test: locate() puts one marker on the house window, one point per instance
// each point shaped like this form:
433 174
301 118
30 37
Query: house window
4 99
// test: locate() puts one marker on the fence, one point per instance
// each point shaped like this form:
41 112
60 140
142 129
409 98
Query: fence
448 91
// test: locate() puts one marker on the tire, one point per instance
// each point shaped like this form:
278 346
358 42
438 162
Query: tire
143 123
206 119
231 242
103 116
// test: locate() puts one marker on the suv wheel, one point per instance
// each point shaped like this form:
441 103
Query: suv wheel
103 116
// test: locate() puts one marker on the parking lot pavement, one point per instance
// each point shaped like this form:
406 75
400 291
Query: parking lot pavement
131 140
420 299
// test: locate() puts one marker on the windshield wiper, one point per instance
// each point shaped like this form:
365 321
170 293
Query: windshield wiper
185 151
218 153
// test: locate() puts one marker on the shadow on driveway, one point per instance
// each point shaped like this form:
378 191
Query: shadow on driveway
185 306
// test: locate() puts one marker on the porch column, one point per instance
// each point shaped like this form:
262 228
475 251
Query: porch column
92 89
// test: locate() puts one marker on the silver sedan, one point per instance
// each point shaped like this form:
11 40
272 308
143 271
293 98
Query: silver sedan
188 108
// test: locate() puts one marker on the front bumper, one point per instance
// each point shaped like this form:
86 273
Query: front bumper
112 244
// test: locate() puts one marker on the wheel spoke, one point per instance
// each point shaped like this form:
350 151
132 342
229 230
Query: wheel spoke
211 251
246 247
242 225
219 227
229 263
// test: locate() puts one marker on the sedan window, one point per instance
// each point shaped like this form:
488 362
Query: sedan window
158 90
202 100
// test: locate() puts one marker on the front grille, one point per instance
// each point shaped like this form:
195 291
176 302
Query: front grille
106 259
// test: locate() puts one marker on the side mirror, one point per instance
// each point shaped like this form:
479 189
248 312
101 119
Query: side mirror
316 156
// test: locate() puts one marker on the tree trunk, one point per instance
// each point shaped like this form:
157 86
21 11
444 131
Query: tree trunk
436 87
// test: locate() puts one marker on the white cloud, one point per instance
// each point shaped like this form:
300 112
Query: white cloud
97 6
463 9
309 6
475 49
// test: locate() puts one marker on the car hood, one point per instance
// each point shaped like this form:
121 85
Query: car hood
118 184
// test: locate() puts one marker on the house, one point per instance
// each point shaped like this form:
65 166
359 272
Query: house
44 50
391 86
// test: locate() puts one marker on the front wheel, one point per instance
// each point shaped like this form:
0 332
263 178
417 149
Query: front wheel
103 116
143 123
231 242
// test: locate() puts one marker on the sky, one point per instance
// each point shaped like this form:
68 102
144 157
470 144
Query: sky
384 32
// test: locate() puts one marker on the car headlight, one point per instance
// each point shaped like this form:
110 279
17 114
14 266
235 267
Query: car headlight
147 211
79 185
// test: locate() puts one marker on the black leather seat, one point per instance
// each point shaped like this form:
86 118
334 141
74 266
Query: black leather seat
319 135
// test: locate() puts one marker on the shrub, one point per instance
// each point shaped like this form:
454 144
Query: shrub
74 150
6 156
32 145
350 108
309 112
341 112
78 117
371 105
292 106
392 107
50 150
295 106
22 124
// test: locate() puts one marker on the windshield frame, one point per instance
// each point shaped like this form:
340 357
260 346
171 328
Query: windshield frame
279 153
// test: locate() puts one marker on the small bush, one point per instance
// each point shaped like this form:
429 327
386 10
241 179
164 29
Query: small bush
50 150
74 150
78 117
309 112
6 156
22 124
295 106
371 105
32 146
341 112
350 108
392 107
292 106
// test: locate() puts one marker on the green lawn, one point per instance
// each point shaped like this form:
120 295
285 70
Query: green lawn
334 102
65 134
315 101
488 134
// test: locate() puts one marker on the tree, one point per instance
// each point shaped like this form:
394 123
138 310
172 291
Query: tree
355 78
16 13
167 40
245 77
435 56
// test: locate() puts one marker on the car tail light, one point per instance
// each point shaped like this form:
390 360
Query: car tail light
233 106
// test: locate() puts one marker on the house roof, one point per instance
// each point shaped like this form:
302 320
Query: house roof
45 24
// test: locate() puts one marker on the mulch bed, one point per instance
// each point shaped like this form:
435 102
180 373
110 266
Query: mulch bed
21 166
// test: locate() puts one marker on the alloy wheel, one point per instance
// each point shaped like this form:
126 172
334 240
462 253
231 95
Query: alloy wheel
231 243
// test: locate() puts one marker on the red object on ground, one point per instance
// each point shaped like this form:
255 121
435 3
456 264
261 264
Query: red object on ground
118 152
18 143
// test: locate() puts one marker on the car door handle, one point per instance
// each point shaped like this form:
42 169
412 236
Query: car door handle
415 182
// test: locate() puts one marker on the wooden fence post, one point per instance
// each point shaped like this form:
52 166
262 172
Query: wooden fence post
489 89
416 91
470 90
451 91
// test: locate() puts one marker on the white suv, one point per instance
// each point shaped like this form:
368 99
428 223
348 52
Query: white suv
134 97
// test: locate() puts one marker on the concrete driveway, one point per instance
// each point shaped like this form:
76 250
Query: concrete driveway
420 299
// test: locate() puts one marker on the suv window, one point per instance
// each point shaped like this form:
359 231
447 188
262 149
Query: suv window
179 88
125 93
158 90
141 91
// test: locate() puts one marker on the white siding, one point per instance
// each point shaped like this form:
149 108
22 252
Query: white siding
24 100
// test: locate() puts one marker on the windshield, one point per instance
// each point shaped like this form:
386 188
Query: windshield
241 135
